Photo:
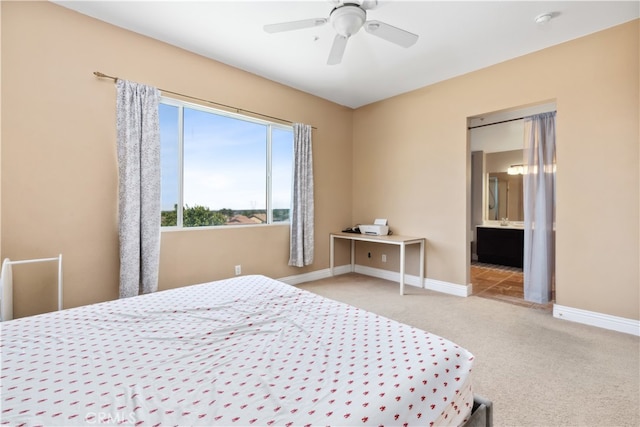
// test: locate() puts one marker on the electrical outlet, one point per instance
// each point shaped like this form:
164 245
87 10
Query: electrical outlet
238 270
369 255
384 258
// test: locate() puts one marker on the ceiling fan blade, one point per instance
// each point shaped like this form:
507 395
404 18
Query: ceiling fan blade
390 33
294 25
337 50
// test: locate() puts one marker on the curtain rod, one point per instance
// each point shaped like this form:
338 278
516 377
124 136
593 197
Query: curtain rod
503 121
497 123
237 110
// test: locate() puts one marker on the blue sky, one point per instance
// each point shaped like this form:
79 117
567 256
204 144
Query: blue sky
225 161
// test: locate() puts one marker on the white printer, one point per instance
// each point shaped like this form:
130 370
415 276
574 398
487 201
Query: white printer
378 228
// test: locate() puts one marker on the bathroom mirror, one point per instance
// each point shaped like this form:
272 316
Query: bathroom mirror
504 197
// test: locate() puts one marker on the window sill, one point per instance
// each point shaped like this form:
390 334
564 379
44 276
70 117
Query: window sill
221 227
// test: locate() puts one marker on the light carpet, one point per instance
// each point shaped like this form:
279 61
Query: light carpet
537 370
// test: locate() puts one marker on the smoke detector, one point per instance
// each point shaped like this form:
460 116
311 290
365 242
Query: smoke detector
543 18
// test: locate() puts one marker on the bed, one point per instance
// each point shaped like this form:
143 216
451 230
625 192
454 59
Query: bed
244 351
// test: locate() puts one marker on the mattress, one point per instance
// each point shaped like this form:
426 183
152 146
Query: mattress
244 351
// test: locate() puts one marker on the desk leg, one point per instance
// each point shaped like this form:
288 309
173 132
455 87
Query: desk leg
60 286
331 254
422 264
402 260
353 255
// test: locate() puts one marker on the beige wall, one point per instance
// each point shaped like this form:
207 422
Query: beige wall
59 176
59 170
413 150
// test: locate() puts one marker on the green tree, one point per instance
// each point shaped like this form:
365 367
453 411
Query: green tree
200 216
169 218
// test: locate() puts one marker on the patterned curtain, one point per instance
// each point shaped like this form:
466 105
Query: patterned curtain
138 132
302 240
539 206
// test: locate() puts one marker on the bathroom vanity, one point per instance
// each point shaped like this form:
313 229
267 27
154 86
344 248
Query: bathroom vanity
503 245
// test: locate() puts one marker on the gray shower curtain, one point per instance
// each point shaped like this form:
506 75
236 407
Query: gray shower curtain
138 133
539 206
302 227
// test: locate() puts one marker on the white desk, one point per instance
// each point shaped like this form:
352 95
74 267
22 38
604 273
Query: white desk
401 241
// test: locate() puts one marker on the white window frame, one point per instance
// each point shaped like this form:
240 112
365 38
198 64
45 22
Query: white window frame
269 199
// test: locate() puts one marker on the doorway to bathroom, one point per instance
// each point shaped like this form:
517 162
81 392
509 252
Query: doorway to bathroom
497 204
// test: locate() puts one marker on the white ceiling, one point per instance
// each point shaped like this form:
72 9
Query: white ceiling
456 37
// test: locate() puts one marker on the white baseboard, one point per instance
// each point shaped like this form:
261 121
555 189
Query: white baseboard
410 280
448 288
592 318
387 275
315 275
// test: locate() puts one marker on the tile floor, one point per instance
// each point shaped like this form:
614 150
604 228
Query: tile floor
503 284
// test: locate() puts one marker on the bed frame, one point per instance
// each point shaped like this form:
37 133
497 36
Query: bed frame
481 414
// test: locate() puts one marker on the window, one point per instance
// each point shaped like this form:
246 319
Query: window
222 169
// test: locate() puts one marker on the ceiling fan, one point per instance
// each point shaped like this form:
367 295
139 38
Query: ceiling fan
347 17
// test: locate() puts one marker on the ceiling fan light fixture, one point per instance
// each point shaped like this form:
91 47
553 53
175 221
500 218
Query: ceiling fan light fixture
348 19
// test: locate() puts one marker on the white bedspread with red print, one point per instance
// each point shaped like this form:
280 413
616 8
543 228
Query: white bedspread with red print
248 351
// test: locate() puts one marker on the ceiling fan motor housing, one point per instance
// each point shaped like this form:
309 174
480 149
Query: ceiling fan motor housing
348 19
